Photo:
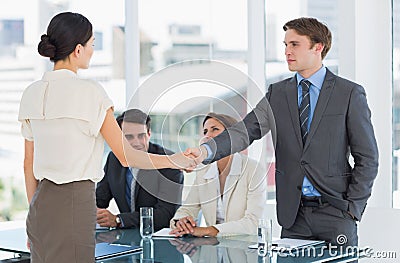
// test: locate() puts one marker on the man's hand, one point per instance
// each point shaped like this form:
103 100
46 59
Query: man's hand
105 218
197 153
352 216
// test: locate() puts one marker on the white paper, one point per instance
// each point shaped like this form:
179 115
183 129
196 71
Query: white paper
163 233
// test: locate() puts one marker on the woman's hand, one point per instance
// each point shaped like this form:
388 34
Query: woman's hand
184 225
209 231
28 244
187 225
182 161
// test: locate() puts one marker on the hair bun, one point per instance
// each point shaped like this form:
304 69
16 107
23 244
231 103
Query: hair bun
44 37
45 47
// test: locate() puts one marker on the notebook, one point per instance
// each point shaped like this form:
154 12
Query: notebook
106 250
163 233
102 228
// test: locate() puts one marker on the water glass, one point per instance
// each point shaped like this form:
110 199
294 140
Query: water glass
264 237
147 255
146 222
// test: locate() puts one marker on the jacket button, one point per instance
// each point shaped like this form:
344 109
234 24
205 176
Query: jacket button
303 162
299 187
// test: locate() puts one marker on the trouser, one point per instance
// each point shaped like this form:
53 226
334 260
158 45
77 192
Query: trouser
61 222
322 221
318 220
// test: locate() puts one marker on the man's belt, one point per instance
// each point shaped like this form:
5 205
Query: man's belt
312 201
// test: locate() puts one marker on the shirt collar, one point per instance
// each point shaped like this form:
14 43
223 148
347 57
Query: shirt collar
236 168
317 79
58 74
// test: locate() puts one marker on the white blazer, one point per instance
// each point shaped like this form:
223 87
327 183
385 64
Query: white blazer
244 197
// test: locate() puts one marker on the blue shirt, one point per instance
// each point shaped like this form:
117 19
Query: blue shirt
317 79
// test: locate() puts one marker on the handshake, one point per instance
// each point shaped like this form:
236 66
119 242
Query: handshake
189 159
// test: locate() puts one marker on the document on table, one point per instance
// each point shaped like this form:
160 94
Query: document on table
163 233
105 228
290 243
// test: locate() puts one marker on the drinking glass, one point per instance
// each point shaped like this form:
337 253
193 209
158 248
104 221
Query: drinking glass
264 236
146 222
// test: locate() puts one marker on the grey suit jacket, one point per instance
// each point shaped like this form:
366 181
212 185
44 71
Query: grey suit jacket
341 125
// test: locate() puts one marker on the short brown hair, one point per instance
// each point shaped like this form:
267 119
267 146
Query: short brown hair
316 31
134 116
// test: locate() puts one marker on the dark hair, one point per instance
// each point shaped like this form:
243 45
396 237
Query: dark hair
316 31
65 31
134 116
226 120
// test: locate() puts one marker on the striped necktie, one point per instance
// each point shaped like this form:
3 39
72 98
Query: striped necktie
304 110
134 172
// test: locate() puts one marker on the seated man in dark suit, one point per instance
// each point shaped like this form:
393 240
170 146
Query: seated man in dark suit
133 188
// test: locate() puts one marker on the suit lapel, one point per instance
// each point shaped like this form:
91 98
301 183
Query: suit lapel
292 100
210 187
230 186
323 99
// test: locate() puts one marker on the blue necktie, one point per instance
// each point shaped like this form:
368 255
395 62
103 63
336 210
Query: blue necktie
304 110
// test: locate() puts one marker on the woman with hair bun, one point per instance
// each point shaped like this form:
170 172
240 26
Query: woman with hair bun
65 120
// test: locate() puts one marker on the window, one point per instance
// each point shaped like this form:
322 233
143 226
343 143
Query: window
20 65
396 103
193 31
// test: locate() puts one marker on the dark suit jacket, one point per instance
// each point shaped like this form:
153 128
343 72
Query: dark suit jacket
160 189
341 125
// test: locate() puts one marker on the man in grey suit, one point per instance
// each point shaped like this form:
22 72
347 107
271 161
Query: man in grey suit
320 119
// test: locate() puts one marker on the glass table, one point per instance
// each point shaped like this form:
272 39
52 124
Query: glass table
207 249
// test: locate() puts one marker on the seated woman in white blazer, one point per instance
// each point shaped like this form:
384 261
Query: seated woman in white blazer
231 192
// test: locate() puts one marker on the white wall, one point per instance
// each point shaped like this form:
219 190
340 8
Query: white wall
365 56
380 231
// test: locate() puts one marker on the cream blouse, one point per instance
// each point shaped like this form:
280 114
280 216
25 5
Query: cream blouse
63 115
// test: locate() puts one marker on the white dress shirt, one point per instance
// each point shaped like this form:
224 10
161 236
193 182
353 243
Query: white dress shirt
63 114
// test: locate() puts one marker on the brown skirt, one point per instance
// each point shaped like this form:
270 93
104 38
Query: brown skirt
61 222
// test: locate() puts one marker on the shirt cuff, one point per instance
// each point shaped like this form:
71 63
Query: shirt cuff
122 221
210 154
